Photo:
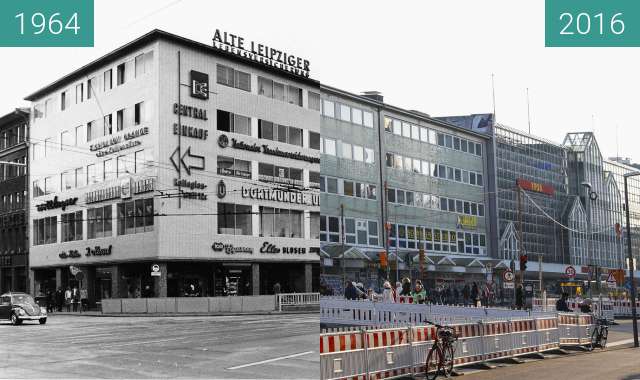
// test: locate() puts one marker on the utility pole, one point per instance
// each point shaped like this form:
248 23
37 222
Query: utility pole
634 314
521 245
387 227
342 236
540 276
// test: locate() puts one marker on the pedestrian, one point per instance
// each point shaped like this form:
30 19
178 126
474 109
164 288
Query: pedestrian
84 300
465 294
388 294
561 304
456 295
419 294
585 306
475 294
362 294
350 292
75 298
372 295
519 297
59 298
406 287
276 288
398 290
67 299
50 300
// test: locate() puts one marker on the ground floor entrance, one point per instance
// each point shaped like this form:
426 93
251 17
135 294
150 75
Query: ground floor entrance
13 273
175 279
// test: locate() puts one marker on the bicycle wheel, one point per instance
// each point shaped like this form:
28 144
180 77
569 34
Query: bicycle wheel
603 337
447 361
594 339
433 364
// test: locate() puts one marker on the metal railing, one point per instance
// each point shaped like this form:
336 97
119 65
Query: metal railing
296 299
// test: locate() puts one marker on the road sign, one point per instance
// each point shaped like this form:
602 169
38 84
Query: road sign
508 285
508 276
570 284
611 280
570 271
155 270
189 161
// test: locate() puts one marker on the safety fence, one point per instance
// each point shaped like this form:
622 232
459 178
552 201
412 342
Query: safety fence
622 308
336 311
284 300
386 353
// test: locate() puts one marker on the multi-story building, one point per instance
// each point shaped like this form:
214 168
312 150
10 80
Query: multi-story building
397 180
14 247
171 167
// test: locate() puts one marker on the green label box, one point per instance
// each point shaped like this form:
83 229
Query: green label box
46 23
592 23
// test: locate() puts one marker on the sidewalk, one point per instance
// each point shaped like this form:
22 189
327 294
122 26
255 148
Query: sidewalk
95 313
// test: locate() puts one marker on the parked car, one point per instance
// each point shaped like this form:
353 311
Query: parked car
18 307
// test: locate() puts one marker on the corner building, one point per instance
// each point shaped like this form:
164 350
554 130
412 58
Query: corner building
169 167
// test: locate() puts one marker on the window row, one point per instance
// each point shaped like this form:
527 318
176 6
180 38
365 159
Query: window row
12 136
356 231
234 167
11 202
461 207
8 171
134 162
413 198
280 174
228 76
347 151
282 133
427 135
394 160
347 113
436 240
83 91
236 219
134 216
348 188
280 91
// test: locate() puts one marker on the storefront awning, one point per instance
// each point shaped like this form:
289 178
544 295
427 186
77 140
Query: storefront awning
343 252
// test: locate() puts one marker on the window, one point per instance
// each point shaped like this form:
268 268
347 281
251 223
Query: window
120 120
275 222
49 186
369 157
330 147
234 167
80 177
329 229
294 95
265 87
108 130
135 216
92 131
38 189
67 180
65 140
347 151
234 219
228 76
139 65
314 179
120 74
72 226
314 100
138 112
356 116
81 135
314 225
406 130
358 153
45 230
229 122
63 100
108 169
328 108
91 87
345 113
99 222
314 140
108 80
91 174
79 93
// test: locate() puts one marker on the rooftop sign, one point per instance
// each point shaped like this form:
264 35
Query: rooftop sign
260 53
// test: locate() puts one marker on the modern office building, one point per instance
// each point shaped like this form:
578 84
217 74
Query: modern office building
171 167
395 181
14 243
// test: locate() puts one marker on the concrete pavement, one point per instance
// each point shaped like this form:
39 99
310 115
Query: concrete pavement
235 347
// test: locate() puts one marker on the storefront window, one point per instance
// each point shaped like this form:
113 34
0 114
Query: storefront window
234 219
134 217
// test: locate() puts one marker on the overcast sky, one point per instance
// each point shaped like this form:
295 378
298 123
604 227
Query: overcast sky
433 56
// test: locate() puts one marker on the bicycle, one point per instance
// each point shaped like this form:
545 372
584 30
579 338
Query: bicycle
599 334
440 357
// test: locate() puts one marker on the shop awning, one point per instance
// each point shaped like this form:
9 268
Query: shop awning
340 252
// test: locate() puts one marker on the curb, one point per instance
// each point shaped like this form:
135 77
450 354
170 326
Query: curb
95 314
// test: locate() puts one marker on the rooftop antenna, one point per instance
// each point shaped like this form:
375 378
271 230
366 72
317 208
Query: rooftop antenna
493 94
528 111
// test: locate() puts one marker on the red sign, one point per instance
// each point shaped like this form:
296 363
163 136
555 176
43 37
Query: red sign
570 271
534 186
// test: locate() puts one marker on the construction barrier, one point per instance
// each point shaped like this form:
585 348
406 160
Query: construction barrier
622 308
393 352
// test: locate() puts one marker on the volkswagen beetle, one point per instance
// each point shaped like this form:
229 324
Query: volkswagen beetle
18 307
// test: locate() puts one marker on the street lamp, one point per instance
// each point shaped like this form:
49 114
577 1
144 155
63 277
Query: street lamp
630 253
591 196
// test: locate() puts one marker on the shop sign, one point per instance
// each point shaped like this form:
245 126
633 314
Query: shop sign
223 142
221 189
115 144
199 85
188 160
467 222
279 195
188 131
124 190
260 53
191 185
270 248
534 186
55 203
72 253
230 249
189 111
98 251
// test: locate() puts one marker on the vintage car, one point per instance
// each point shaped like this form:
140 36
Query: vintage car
18 307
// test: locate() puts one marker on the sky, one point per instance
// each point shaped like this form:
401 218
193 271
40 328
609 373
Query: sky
434 56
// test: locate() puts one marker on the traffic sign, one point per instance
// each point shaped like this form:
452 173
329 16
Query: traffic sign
508 276
611 280
508 285
570 271
155 270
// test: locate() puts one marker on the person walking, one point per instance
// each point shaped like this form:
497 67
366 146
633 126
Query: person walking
519 297
50 300
406 287
84 300
276 288
419 294
350 292
561 304
67 299
465 294
475 294
398 290
388 294
75 298
59 296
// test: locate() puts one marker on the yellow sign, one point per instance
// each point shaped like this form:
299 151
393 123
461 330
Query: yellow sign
467 222
572 284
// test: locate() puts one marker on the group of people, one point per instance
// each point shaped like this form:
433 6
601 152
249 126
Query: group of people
70 299
562 306
469 294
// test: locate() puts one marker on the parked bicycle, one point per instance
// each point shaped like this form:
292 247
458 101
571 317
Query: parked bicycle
440 357
599 334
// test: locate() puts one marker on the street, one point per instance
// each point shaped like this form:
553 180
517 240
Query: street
238 347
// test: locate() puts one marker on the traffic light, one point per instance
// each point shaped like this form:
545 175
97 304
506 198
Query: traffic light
523 263
383 259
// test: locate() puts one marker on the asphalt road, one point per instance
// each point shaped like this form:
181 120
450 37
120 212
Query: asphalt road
233 347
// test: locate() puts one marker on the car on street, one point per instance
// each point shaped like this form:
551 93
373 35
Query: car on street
18 307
